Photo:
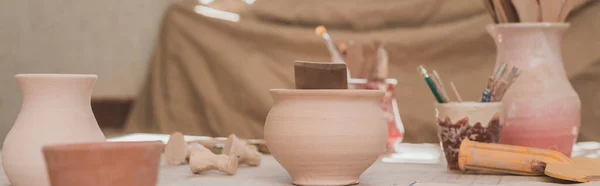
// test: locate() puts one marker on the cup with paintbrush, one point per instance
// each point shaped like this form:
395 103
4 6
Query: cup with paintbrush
457 121
323 112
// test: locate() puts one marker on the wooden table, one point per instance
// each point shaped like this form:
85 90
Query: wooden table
384 174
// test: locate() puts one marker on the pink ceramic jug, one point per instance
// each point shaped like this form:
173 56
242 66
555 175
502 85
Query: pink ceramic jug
542 108
56 109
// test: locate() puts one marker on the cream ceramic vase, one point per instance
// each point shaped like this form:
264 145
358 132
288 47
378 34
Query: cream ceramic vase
542 108
326 137
56 109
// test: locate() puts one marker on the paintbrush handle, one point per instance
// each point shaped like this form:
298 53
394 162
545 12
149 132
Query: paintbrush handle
434 90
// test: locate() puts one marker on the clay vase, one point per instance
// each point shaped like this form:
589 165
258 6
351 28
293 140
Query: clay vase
326 137
104 163
541 107
56 109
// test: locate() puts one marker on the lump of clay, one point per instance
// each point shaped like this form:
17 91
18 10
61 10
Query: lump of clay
236 147
202 159
176 150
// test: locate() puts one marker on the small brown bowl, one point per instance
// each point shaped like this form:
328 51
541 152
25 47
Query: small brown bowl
105 163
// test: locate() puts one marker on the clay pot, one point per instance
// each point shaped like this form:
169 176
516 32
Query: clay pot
326 137
106 163
56 110
542 109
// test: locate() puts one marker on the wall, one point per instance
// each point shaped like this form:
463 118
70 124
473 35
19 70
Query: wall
110 38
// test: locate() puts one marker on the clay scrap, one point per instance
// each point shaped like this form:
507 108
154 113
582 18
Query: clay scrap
236 147
202 159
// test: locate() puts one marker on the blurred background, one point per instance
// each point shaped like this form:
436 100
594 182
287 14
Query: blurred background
205 67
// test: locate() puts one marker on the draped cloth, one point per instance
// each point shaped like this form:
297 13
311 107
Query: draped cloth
209 76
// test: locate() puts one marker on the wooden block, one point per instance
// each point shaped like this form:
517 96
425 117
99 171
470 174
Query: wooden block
320 75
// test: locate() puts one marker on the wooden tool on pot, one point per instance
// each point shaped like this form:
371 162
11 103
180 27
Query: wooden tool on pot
525 161
320 75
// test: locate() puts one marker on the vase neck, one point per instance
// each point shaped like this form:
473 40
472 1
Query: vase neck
529 46
56 88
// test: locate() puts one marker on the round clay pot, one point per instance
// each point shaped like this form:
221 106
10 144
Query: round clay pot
326 137
105 163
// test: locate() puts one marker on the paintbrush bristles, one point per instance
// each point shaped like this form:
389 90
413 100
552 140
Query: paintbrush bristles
320 30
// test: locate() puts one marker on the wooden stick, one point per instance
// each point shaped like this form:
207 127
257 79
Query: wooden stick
490 8
510 11
567 8
528 10
455 91
551 9
500 11
440 86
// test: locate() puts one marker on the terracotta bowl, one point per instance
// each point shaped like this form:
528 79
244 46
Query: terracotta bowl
105 163
326 137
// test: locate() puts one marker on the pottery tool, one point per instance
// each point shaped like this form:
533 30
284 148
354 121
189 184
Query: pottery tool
486 96
510 11
455 92
506 158
176 151
526 161
235 147
202 159
500 14
430 84
320 75
551 10
527 10
440 86
503 85
322 32
380 70
567 8
489 5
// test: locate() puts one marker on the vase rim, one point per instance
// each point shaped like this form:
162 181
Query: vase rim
329 92
531 25
48 75
469 104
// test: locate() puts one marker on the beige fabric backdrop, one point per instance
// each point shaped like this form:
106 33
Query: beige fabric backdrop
211 77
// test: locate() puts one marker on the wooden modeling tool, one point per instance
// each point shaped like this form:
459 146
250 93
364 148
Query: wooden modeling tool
499 9
322 32
567 7
236 147
526 161
380 70
527 10
202 159
510 11
455 91
506 158
320 75
551 10
489 5
176 151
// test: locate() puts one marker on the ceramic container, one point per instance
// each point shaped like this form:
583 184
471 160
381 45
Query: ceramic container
326 137
542 108
56 109
104 163
476 121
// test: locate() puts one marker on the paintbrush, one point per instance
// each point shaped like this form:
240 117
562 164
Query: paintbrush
568 5
503 85
486 96
440 86
528 10
551 10
430 84
322 32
